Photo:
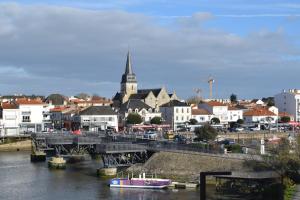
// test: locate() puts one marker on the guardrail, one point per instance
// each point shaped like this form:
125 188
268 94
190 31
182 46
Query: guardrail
119 147
193 147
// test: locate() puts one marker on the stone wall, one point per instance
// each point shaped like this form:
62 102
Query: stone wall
16 146
187 167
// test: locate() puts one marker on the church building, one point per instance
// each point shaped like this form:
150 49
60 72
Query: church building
129 91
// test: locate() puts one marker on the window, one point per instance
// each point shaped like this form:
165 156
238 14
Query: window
176 110
176 118
182 118
188 110
182 110
26 119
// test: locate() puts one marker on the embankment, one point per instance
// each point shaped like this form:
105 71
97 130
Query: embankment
187 167
16 146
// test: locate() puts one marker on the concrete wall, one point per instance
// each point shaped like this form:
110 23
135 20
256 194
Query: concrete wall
187 166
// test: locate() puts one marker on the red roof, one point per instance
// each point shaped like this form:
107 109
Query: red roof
25 101
259 112
215 103
232 108
58 109
283 114
200 111
9 106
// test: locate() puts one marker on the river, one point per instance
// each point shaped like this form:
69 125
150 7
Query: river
22 180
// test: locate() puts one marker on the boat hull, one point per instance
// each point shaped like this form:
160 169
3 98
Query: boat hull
140 183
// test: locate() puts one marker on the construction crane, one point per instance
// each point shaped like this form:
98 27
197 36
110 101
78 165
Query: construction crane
198 91
210 82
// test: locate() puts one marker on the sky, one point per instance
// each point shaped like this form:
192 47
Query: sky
250 48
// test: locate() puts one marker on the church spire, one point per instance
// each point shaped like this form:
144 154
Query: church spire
128 69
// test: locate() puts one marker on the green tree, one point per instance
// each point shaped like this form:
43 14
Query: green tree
194 100
283 159
215 120
206 132
83 95
134 118
285 119
240 121
233 98
193 121
156 120
269 101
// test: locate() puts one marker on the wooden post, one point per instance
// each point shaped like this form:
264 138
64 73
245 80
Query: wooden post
203 181
202 186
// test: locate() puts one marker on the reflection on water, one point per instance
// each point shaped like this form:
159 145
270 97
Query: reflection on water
21 179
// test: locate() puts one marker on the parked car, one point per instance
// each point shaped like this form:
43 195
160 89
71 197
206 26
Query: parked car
180 139
239 129
150 135
254 129
227 142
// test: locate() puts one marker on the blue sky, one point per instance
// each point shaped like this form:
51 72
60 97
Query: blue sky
252 48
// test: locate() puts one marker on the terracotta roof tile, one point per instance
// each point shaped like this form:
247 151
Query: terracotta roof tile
28 101
215 103
283 114
9 106
200 111
259 112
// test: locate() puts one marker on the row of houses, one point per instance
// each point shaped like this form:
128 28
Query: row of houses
23 115
34 115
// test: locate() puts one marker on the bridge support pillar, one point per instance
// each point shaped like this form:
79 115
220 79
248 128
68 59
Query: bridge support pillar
38 156
57 163
107 172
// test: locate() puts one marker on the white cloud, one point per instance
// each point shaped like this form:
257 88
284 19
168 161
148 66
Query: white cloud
75 49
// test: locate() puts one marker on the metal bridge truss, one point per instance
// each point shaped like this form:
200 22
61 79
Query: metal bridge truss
124 159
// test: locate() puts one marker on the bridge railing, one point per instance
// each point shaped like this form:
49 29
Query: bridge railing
119 147
194 147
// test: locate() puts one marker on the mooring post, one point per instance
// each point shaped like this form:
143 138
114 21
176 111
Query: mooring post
202 186
203 181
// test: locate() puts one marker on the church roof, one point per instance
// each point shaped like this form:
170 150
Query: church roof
98 110
134 104
138 96
117 96
128 76
155 91
174 103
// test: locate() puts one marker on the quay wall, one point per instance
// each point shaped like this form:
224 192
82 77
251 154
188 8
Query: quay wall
187 167
16 146
252 135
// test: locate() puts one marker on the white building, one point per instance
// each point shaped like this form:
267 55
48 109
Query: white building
234 114
260 115
219 110
10 119
176 113
289 101
201 115
139 107
31 115
96 118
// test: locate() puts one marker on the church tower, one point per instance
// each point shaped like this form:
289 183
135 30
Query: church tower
128 82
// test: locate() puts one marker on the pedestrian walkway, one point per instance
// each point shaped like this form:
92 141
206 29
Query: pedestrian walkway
297 193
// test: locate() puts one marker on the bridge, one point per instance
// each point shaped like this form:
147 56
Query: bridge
114 151
118 150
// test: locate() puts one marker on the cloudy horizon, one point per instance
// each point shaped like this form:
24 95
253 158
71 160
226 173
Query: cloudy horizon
78 46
